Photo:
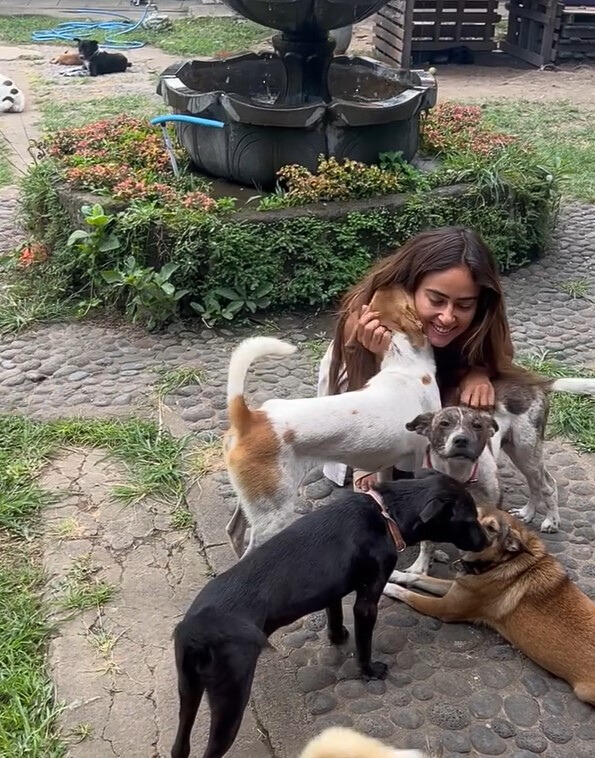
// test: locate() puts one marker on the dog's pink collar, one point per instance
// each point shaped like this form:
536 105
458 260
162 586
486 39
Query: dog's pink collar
393 528
472 476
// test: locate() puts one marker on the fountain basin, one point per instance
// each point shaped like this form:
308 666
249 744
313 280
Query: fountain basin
372 109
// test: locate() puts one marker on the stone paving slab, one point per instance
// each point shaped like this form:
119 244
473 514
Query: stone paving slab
114 668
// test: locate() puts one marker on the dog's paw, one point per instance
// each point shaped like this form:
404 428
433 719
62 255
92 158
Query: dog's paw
374 670
550 525
441 556
395 591
419 567
404 578
525 514
339 638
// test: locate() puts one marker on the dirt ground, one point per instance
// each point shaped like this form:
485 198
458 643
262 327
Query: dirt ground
29 66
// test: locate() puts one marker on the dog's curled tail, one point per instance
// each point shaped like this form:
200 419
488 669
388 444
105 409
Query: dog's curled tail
340 742
241 359
575 386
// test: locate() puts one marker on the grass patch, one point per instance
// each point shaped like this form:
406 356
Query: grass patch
55 116
5 167
154 463
171 380
82 589
571 416
191 36
562 135
20 309
577 289
207 458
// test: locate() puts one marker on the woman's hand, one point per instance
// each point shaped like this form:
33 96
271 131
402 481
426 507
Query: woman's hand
370 333
477 390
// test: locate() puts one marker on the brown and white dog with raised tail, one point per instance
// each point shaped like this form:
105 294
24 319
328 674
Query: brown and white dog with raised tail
269 451
517 588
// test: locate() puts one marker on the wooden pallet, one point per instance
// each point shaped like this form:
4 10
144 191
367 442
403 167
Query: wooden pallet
533 30
577 34
404 26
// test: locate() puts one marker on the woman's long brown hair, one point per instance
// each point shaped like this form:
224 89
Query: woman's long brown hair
487 343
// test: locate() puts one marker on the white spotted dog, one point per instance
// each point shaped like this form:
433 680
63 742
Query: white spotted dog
269 451
12 99
465 443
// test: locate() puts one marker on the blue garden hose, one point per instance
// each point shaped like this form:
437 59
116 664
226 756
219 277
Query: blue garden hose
162 121
187 119
68 30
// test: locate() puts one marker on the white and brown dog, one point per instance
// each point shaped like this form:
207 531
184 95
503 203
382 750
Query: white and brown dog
465 443
269 451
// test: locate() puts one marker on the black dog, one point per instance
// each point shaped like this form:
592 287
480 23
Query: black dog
346 546
100 63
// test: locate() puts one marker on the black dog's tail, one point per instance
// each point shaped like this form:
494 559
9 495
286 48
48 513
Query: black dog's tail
216 651
128 64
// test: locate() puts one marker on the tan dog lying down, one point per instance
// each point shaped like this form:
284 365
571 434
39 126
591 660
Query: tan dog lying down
68 59
339 742
517 588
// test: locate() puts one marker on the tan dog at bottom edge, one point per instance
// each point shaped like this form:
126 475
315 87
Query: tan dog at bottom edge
517 588
339 742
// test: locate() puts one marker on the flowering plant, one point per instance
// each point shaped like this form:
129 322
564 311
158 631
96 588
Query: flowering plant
126 159
458 128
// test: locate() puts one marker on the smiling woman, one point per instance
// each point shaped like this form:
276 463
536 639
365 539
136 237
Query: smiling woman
454 281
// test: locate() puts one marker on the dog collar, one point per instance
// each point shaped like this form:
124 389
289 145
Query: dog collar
472 476
473 567
394 530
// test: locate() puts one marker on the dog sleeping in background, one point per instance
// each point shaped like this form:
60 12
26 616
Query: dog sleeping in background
67 58
99 62
12 99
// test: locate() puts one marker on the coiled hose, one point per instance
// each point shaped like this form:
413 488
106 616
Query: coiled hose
69 30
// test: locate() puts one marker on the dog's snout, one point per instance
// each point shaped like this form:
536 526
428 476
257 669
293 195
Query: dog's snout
460 441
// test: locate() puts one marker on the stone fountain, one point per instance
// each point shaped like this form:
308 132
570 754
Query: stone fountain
298 102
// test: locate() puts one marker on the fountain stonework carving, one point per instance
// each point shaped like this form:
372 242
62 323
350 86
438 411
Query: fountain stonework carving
299 102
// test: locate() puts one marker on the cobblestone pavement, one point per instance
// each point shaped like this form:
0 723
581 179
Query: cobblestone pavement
460 688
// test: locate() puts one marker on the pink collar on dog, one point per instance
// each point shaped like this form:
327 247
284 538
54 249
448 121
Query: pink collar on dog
472 476
393 528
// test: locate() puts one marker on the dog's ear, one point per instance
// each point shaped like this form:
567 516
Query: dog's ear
421 424
432 509
514 542
397 313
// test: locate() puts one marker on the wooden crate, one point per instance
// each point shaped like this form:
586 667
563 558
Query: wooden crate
533 30
577 34
404 26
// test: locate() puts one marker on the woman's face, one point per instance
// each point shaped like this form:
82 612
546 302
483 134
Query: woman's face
446 302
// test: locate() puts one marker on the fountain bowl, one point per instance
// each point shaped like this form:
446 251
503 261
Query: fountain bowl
305 16
373 108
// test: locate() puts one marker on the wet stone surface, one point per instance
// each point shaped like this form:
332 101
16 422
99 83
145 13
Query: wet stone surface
459 689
